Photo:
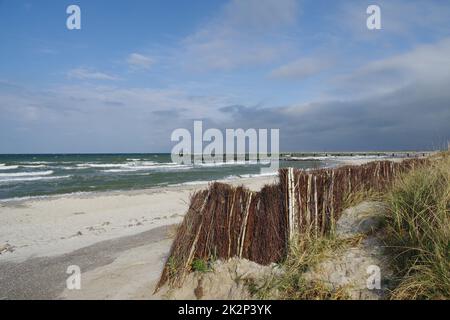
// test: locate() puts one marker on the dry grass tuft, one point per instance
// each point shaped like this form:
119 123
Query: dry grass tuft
305 253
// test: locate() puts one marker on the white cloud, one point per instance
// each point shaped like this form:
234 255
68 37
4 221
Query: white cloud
244 33
87 74
301 68
94 118
428 64
140 61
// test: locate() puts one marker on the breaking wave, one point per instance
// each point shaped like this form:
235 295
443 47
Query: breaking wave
26 174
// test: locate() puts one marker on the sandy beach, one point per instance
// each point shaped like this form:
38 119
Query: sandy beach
118 239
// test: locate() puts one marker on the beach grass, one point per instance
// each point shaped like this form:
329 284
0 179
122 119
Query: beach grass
305 252
418 231
352 199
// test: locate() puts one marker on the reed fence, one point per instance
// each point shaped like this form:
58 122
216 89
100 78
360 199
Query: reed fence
225 221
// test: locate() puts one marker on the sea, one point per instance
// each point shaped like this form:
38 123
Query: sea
23 176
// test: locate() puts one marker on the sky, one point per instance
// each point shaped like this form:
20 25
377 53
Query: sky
137 70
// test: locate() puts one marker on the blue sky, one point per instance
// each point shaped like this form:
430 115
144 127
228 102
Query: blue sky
137 70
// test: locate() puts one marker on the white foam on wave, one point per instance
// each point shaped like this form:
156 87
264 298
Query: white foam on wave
150 167
137 164
141 163
34 162
252 175
232 163
4 167
26 174
24 179
119 170
194 183
34 166
162 166
99 165
221 163
72 168
228 178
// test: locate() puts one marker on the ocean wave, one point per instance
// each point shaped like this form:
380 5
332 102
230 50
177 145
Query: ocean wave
161 166
133 163
4 167
232 163
72 168
24 179
26 174
134 168
267 174
34 166
228 178
251 175
150 165
34 162
99 165
193 183
142 163
221 164
119 170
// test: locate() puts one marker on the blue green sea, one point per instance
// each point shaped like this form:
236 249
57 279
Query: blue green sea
42 175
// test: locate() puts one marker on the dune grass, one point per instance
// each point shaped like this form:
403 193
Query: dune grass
305 252
418 232
357 197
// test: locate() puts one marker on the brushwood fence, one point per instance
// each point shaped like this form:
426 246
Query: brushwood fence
225 221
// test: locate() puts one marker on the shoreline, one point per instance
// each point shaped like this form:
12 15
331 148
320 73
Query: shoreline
88 194
196 183
63 223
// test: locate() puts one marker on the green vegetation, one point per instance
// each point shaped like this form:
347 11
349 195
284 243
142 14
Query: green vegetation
200 265
418 232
